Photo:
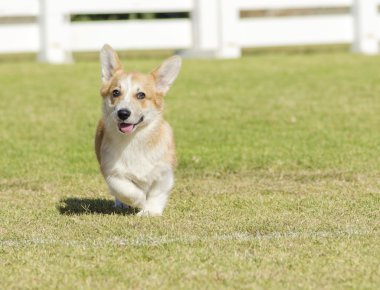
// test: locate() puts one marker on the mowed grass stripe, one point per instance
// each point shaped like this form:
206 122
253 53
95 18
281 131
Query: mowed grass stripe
156 241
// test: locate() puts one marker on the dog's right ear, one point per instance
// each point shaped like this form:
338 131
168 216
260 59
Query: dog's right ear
109 61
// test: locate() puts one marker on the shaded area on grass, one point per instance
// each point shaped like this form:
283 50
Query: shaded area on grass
81 206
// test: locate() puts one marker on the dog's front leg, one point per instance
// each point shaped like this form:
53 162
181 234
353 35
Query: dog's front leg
158 195
120 205
126 191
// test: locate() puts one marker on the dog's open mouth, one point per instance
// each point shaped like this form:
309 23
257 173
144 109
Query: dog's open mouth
127 128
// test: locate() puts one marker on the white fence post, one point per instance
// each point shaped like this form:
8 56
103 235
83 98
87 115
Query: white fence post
53 23
214 24
205 34
366 15
228 37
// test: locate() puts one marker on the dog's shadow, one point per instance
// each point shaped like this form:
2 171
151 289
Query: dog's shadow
82 206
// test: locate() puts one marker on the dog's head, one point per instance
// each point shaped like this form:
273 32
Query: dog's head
133 100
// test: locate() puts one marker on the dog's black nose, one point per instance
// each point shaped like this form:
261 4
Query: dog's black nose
123 114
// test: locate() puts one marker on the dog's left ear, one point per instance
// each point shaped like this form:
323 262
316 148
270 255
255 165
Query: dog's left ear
166 74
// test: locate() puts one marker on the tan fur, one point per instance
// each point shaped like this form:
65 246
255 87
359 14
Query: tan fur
170 155
147 86
98 138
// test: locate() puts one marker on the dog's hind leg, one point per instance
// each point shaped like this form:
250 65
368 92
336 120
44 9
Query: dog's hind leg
158 196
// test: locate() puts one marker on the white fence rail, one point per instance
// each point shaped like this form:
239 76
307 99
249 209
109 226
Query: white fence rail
296 31
215 28
292 4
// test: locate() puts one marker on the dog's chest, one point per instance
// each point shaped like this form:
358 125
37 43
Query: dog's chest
132 162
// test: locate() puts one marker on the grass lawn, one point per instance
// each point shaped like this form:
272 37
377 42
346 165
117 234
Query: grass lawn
278 183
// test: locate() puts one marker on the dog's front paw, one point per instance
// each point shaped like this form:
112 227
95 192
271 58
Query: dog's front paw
120 205
148 213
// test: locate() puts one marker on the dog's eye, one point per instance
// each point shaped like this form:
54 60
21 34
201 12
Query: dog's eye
140 95
116 93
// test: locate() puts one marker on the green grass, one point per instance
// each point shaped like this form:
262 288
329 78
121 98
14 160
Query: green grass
277 184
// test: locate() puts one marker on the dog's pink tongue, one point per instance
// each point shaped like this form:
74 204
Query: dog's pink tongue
126 128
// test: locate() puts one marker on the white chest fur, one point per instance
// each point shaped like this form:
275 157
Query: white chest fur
134 158
131 161
137 173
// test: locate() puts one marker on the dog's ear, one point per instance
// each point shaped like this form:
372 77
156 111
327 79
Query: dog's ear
109 61
166 73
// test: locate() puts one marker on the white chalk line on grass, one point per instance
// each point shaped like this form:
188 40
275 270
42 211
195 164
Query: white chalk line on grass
164 240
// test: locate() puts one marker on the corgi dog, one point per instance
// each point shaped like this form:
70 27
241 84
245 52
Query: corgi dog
134 144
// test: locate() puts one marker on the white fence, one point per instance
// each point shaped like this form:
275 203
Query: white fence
214 30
